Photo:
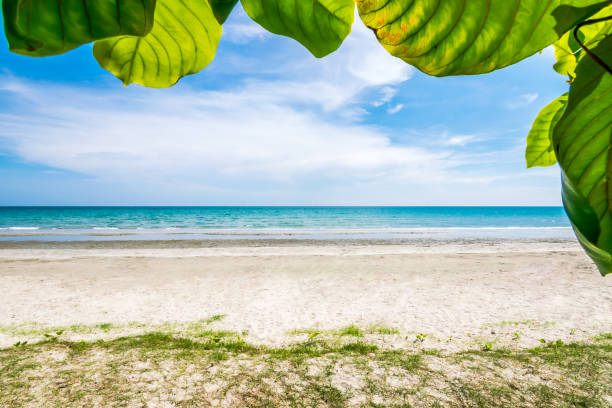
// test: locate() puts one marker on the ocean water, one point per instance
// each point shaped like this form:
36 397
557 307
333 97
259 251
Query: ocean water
104 223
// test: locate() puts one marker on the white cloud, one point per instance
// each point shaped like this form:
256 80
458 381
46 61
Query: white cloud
369 61
240 29
394 109
521 101
212 136
441 136
243 33
243 145
529 98
387 93
457 140
342 78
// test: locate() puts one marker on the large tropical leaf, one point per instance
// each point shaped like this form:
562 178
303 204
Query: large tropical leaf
585 224
540 151
222 8
582 140
39 28
567 49
183 41
454 37
319 25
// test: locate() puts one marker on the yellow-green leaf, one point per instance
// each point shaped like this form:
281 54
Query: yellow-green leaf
455 37
319 25
540 151
582 140
567 49
39 28
183 41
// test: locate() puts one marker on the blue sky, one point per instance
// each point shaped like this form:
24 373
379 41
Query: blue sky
268 124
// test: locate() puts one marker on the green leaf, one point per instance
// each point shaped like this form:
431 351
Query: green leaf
582 140
567 52
183 41
540 151
456 37
319 25
567 49
222 8
585 224
39 28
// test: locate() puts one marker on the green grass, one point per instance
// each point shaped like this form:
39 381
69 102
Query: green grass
104 326
533 323
350 330
384 330
199 368
308 331
36 330
603 336
220 334
214 318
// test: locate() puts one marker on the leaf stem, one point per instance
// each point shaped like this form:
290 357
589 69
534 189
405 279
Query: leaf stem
590 53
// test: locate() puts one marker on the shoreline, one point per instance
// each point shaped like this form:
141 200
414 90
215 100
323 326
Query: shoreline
280 248
277 242
15 234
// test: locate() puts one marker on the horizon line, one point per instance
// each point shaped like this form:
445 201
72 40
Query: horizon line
272 206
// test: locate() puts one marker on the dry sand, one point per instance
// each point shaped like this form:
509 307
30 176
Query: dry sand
468 289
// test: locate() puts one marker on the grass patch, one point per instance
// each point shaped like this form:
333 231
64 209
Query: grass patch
398 358
603 336
383 330
36 330
217 334
105 326
359 347
221 368
308 331
532 323
350 330
214 318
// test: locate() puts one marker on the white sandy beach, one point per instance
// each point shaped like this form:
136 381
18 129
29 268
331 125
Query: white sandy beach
464 289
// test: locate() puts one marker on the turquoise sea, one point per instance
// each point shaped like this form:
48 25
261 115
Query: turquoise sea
105 223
